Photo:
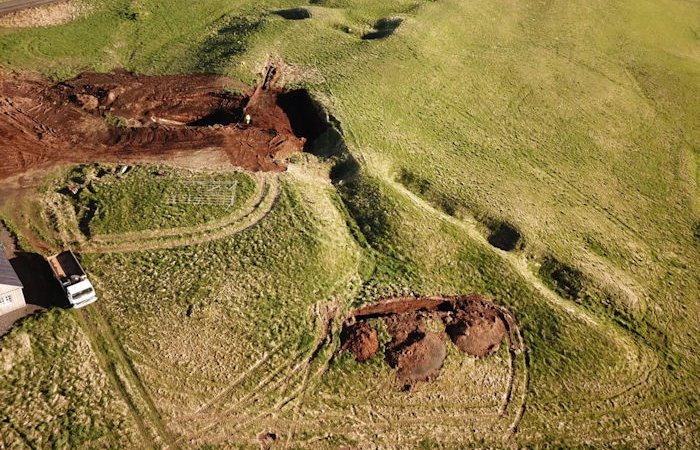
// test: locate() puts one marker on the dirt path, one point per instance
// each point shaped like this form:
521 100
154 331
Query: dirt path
253 212
125 378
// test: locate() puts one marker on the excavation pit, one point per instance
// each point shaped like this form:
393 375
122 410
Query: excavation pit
474 325
126 118
294 13
219 117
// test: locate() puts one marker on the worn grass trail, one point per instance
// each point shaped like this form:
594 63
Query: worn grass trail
283 384
125 378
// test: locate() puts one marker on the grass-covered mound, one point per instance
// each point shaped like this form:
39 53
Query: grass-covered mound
152 197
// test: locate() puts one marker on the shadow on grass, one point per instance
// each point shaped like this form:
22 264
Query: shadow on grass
228 41
294 13
383 28
40 286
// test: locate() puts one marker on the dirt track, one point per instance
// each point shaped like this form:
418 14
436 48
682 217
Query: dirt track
123 117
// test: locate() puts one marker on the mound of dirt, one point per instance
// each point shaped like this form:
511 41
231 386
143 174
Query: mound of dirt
416 353
477 330
122 117
476 326
421 360
361 340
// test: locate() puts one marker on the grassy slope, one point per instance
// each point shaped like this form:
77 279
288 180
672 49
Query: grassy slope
52 386
582 135
233 302
574 121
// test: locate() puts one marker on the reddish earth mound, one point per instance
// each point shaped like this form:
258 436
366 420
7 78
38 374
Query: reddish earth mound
361 340
415 353
477 329
119 116
421 360
475 325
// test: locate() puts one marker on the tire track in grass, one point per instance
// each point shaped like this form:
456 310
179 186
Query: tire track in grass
132 388
99 348
260 185
241 411
236 382
247 400
516 347
324 340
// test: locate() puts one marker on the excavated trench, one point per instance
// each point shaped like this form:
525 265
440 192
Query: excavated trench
123 117
416 350
219 117
305 116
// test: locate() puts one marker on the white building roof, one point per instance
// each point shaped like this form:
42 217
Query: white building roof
8 278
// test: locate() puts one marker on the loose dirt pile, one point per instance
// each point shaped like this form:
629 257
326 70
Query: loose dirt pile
361 340
417 350
123 117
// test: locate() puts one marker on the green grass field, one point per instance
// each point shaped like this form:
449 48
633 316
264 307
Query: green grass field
573 121
152 198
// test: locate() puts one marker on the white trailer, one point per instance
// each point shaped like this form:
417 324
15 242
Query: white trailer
74 281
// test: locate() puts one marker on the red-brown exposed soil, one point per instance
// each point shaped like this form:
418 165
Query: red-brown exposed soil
475 325
476 329
124 117
421 360
267 439
416 353
361 340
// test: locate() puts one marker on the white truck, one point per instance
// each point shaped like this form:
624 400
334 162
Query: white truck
74 281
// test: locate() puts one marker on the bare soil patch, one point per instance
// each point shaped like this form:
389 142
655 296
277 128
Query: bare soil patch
361 340
475 325
267 439
476 329
122 117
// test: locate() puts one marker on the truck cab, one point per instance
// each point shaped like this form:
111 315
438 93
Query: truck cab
73 279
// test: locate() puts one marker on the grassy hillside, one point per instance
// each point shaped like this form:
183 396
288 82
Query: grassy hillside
53 385
573 123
